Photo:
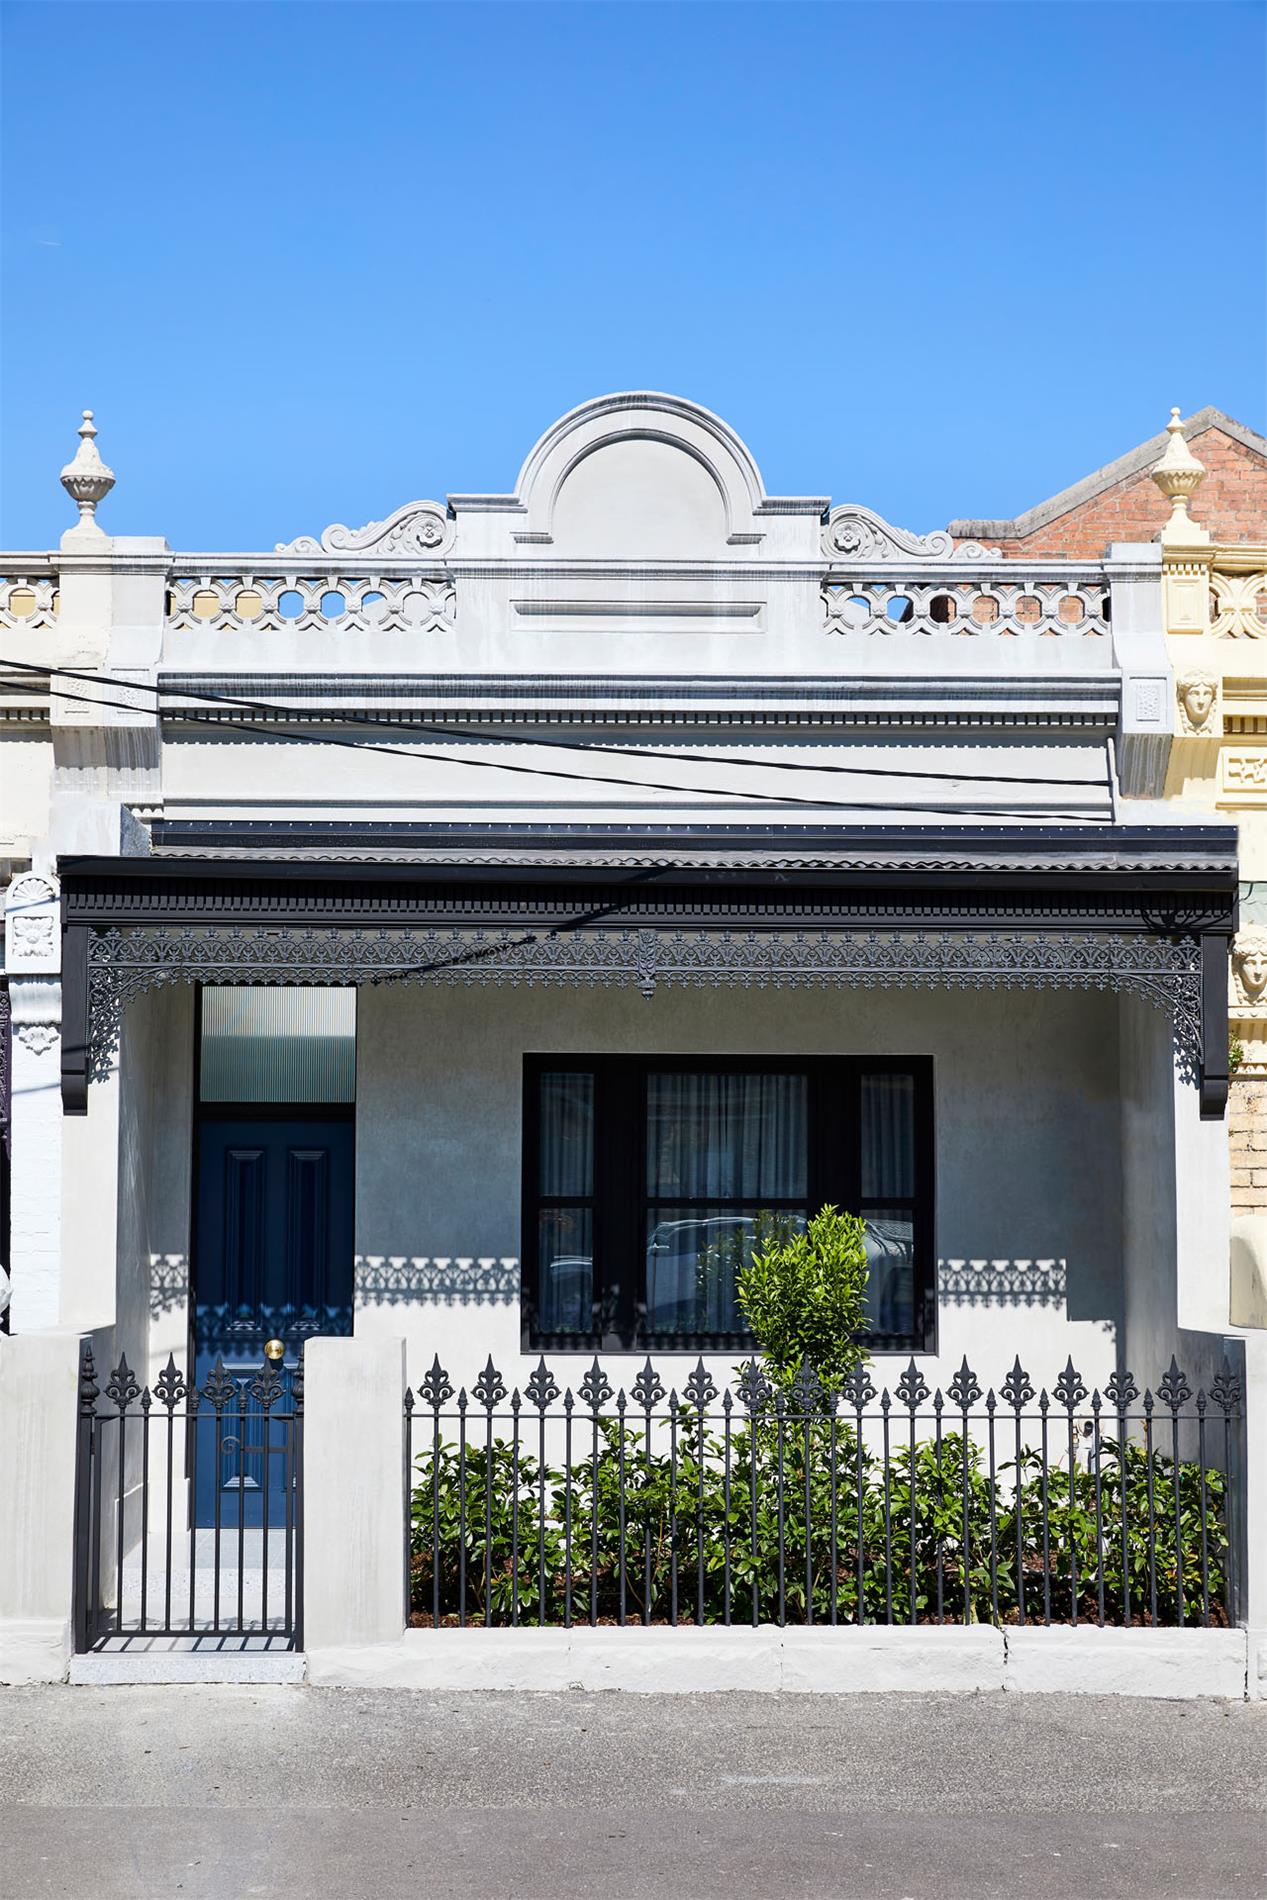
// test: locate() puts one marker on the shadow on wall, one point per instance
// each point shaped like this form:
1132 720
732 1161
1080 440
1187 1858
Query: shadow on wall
402 1280
169 1283
1001 1282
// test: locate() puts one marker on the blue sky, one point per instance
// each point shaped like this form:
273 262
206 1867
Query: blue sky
308 262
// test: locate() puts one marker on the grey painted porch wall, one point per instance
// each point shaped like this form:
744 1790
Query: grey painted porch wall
127 1167
1174 1263
1029 1155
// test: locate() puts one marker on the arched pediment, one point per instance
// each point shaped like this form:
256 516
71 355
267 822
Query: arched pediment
638 460
640 476
637 495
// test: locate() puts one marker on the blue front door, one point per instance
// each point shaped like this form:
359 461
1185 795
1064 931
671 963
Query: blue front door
273 1260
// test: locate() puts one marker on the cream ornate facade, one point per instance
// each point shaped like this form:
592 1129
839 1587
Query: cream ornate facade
1216 630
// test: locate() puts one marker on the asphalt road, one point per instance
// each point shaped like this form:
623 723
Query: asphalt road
296 1794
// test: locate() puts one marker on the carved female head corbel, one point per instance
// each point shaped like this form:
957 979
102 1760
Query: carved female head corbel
1198 695
1249 966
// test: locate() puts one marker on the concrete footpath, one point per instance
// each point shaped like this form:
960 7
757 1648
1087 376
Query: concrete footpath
216 1793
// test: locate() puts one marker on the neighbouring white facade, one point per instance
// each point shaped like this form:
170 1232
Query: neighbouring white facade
470 757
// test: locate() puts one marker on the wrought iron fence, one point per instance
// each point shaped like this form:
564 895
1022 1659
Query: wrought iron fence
189 1505
800 1505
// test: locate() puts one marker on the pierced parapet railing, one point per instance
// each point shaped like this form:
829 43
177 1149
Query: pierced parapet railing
334 601
350 596
990 604
801 1505
189 1507
1238 605
29 594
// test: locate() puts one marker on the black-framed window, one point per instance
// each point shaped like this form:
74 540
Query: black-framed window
649 1179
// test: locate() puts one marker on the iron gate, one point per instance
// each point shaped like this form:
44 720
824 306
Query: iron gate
144 1566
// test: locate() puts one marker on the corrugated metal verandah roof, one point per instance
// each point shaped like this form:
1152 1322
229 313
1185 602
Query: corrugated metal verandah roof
1143 909
1100 851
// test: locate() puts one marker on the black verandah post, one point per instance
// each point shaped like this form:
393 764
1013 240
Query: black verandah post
85 1607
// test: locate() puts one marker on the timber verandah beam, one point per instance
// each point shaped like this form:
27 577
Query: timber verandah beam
1149 910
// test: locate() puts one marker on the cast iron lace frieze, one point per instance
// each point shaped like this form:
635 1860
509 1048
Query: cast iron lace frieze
126 963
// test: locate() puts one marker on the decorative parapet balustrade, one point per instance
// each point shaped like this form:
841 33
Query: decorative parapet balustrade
1238 601
997 603
750 564
1220 592
329 593
593 544
29 593
310 601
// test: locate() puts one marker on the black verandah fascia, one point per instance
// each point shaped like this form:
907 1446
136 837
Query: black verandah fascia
1170 882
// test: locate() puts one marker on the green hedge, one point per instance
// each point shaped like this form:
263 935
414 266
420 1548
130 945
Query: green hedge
531 1541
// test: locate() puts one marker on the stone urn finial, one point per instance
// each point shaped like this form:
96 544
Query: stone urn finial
1177 475
87 480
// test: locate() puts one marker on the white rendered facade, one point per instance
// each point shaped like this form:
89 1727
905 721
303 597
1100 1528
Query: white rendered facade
635 659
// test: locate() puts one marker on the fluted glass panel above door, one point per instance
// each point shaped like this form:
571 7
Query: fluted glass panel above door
270 1044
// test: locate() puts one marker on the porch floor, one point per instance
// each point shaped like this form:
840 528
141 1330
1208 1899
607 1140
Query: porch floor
239 1601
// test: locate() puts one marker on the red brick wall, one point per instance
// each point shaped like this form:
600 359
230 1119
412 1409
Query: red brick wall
1231 502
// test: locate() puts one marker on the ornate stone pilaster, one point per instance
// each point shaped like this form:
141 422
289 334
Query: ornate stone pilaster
1247 1102
32 926
6 1096
1186 586
35 1140
33 965
1247 1010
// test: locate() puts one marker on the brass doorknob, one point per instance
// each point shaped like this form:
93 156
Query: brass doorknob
274 1350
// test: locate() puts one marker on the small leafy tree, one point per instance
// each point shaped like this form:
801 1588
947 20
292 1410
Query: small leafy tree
804 1296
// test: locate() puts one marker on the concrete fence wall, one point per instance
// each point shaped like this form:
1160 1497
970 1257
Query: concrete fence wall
355 1604
39 1386
354 1492
355 1608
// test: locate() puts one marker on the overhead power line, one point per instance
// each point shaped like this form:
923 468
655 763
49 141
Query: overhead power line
476 954
27 669
354 716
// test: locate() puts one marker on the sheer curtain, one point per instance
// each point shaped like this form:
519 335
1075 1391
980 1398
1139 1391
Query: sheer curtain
888 1178
713 1139
725 1137
888 1137
565 1232
567 1134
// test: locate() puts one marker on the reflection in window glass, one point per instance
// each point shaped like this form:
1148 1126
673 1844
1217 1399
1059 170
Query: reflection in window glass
714 1139
565 1254
890 1244
693 1258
